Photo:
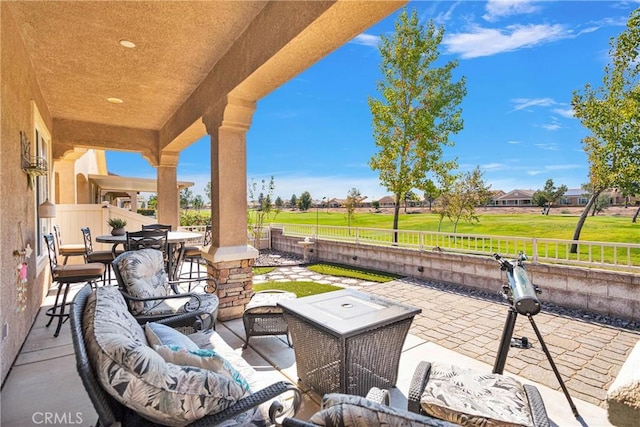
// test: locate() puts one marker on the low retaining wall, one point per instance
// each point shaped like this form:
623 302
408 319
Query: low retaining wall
604 292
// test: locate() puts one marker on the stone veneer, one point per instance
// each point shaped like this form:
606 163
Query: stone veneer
605 292
235 286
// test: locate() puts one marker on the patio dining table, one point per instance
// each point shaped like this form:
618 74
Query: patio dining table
175 242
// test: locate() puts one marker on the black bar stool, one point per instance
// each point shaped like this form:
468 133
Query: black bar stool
65 275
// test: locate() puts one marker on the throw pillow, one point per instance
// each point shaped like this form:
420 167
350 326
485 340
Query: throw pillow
202 358
159 334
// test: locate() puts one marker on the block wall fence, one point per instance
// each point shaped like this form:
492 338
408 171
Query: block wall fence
596 291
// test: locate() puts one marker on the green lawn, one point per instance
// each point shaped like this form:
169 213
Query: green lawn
353 272
301 289
554 226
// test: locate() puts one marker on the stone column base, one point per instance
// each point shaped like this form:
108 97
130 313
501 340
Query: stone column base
235 286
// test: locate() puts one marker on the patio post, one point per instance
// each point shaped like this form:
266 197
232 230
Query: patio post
230 258
168 200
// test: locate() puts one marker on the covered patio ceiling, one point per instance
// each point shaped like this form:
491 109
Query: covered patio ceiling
189 57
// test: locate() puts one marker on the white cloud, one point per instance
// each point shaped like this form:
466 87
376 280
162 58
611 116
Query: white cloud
522 103
497 9
564 112
366 40
513 142
490 41
549 147
492 166
552 126
563 167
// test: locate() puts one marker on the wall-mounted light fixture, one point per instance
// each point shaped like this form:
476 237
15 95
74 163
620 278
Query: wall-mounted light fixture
33 166
421 269
47 209
355 258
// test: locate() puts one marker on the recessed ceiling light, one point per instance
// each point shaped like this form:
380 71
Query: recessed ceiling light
127 43
115 100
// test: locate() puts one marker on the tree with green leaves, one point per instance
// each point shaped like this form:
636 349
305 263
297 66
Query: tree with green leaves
260 196
305 201
550 194
467 192
418 109
152 203
279 203
186 197
352 202
410 197
445 181
198 202
611 112
539 199
431 192
294 201
602 203
207 191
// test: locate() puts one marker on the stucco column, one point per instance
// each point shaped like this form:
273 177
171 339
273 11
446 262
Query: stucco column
65 182
168 198
133 195
230 259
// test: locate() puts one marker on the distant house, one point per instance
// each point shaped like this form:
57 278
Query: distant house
335 203
574 197
495 195
515 198
387 202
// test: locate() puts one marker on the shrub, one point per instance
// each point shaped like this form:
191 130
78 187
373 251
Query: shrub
147 212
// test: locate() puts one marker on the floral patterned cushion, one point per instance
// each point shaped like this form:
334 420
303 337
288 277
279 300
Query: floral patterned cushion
202 358
139 378
472 398
342 410
143 275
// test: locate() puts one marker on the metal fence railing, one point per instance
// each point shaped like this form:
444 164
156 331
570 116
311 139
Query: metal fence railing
606 255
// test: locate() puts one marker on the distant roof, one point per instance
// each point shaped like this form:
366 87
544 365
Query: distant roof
122 183
575 192
517 194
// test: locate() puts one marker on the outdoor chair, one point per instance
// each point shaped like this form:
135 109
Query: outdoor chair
157 239
146 239
134 381
156 227
69 249
193 254
103 257
150 295
64 276
340 410
472 398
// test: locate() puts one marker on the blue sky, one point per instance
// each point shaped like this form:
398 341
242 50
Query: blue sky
522 61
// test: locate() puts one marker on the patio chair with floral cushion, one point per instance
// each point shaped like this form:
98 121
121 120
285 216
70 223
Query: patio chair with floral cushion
155 376
474 398
344 410
151 296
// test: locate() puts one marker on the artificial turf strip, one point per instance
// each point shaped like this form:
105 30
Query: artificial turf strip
262 270
353 272
301 289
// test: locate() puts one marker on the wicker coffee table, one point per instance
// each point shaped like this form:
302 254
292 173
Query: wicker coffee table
262 316
347 341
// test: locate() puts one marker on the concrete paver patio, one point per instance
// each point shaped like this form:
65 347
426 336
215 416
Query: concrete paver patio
453 327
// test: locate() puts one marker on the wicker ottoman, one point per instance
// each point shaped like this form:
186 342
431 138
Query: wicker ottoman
263 316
